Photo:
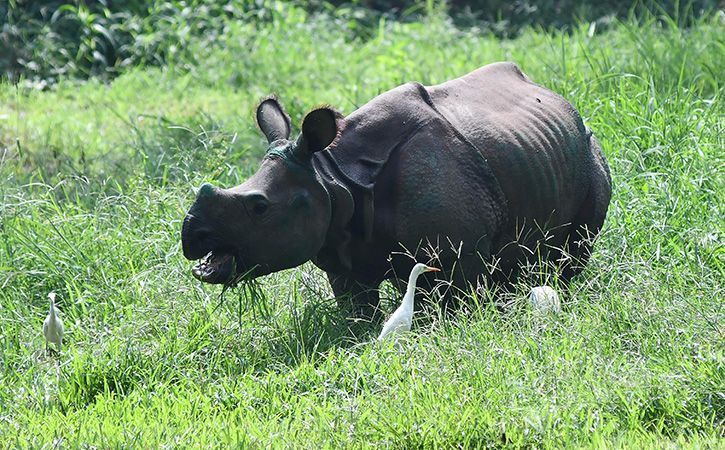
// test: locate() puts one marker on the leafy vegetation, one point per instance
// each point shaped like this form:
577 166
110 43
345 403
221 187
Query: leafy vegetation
97 177
41 41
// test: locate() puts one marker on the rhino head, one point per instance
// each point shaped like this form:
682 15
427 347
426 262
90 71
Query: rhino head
275 220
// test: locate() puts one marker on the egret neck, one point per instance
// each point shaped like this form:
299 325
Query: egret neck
52 308
410 291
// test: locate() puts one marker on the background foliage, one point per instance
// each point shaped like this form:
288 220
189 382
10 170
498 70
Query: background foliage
42 40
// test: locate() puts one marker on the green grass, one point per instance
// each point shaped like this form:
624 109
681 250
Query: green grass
96 179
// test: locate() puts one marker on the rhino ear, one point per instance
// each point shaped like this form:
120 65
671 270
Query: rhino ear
273 120
319 130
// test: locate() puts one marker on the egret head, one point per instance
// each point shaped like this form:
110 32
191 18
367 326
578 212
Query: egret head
421 268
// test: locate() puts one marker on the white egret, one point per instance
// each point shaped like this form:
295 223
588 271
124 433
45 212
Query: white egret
544 299
402 318
53 325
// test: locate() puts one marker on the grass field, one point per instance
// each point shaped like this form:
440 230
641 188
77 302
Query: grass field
95 180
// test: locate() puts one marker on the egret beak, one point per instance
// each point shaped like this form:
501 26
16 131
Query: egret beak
432 269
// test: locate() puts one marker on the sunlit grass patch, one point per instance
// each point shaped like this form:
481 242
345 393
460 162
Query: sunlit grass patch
97 178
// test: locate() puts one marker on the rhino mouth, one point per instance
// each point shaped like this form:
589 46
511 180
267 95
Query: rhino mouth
217 267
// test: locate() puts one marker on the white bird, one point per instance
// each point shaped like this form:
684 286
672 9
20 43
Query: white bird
402 318
545 299
53 325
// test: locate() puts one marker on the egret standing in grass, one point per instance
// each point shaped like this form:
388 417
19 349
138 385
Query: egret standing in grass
53 326
402 318
545 299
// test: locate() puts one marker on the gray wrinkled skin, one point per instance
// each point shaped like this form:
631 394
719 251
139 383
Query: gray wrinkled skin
483 167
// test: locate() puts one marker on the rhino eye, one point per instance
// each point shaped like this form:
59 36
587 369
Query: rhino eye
260 206
257 203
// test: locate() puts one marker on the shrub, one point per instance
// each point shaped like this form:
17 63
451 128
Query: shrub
44 40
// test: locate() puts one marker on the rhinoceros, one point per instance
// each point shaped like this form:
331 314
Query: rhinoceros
490 170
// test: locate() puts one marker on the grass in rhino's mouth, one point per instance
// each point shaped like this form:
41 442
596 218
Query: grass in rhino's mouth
250 297
217 267
222 267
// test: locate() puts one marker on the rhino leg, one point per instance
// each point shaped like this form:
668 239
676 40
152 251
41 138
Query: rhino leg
361 300
590 218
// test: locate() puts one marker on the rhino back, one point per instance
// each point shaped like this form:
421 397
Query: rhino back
533 139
